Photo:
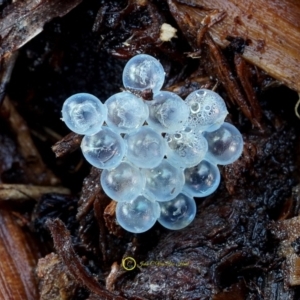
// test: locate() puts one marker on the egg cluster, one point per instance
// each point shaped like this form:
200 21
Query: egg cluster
156 155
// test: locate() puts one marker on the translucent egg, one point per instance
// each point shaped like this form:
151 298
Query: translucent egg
186 149
143 72
201 180
177 213
84 113
207 110
164 182
126 112
167 112
123 183
145 148
225 145
137 215
104 149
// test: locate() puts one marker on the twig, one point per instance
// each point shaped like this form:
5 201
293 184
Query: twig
297 106
68 144
63 245
6 66
24 192
227 78
23 20
245 80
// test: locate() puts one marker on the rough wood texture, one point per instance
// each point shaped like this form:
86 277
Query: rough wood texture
23 20
23 192
271 30
287 231
18 260
63 245
68 144
55 284
6 67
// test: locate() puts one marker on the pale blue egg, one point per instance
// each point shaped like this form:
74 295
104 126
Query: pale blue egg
145 148
84 113
167 112
185 148
143 72
207 110
103 150
178 212
123 183
225 145
126 112
164 182
137 215
201 180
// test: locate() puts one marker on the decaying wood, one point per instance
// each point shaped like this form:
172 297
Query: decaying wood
6 67
68 144
149 36
224 73
288 232
115 272
99 207
18 261
109 216
89 195
63 245
37 171
22 192
271 30
243 74
55 282
23 20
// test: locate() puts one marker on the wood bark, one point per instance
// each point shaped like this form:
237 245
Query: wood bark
270 29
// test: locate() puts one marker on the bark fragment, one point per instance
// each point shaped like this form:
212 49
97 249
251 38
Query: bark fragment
55 282
22 192
23 20
109 216
63 246
224 73
91 188
288 232
19 256
68 144
243 73
6 67
272 29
